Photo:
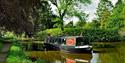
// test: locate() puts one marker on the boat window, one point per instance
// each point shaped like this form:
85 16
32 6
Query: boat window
80 41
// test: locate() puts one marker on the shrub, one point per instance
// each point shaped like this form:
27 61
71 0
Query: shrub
9 35
92 35
95 34
54 32
17 55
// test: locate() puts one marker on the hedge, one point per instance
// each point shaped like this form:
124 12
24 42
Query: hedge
92 35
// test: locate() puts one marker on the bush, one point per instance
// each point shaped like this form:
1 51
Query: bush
54 32
95 35
17 55
9 35
92 35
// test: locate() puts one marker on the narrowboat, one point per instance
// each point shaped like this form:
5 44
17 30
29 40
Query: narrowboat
72 44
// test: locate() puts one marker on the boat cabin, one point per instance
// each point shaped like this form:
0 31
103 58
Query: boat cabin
68 40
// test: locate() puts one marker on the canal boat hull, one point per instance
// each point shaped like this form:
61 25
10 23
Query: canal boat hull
77 49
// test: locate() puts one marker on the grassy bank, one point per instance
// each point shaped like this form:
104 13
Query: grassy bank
17 55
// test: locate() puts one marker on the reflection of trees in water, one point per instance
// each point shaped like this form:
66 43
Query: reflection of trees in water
113 55
57 56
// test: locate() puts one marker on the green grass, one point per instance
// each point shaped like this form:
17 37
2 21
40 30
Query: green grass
17 55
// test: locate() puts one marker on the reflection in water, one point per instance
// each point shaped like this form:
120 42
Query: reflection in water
108 55
95 57
59 57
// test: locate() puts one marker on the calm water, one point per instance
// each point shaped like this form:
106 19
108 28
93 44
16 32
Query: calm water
107 55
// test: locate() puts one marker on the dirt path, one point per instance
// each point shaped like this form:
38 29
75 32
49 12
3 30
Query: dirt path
4 52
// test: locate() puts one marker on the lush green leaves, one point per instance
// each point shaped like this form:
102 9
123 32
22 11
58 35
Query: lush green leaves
67 7
93 34
117 19
103 12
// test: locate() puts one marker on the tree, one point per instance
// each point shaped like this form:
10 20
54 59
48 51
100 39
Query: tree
82 19
103 12
95 24
117 19
69 25
80 24
25 15
66 7
43 17
16 15
105 16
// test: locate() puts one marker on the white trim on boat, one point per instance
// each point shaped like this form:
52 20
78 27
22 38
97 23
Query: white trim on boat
85 46
81 60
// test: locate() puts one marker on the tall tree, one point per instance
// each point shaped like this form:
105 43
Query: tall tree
117 19
43 16
16 15
66 7
103 12
25 15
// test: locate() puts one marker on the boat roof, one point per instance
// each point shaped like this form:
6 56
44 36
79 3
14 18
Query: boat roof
71 36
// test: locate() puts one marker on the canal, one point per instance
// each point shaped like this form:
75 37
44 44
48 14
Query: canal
105 55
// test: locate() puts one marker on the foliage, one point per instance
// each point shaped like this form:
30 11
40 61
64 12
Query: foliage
92 34
9 35
25 15
103 12
103 5
96 34
16 15
89 25
43 16
72 31
17 55
69 25
117 19
104 18
66 7
54 32
80 24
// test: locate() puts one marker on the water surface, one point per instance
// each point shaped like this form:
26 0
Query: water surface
107 55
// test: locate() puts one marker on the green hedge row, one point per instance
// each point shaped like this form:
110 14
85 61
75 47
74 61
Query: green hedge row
92 35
